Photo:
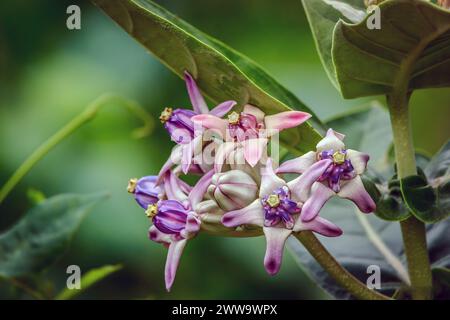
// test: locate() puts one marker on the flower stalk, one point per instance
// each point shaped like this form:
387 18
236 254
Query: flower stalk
413 230
335 270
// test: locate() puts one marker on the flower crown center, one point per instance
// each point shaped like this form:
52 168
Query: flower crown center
273 200
166 114
234 118
339 157
132 185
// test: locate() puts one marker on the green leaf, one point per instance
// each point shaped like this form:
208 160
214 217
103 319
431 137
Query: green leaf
43 234
428 194
90 278
412 47
221 72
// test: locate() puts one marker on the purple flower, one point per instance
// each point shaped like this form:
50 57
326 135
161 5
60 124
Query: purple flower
277 211
341 177
175 220
145 190
249 129
179 124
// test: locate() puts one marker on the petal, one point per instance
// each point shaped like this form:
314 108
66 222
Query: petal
358 159
319 195
211 122
173 259
298 165
199 190
330 142
252 214
198 103
223 108
254 149
173 188
269 180
284 120
319 225
192 226
155 235
249 109
339 135
223 151
275 239
301 186
188 152
354 190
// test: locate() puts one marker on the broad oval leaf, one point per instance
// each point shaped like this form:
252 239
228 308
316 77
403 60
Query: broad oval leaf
221 72
411 47
43 234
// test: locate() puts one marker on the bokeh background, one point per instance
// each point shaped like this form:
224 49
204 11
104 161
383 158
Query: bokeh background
48 74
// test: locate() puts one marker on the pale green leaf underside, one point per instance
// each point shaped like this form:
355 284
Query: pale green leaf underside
43 234
413 45
221 73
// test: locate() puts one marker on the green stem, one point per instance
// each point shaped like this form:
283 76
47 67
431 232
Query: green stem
413 230
335 270
88 114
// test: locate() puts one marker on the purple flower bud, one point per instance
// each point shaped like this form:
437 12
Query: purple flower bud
179 124
233 189
145 190
169 216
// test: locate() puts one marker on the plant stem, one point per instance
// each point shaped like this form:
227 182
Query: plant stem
413 230
88 114
335 270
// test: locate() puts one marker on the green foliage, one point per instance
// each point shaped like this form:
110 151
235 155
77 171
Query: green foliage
89 279
221 73
43 234
412 45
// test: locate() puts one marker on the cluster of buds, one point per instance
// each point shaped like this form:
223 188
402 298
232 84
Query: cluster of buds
241 192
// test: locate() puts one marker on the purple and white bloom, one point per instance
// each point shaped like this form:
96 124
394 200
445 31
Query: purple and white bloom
145 190
175 221
277 211
341 177
250 130
232 189
181 128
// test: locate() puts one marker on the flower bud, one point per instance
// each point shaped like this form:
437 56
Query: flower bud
179 124
145 190
233 189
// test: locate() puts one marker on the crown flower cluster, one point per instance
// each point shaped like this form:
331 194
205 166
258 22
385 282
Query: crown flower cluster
241 191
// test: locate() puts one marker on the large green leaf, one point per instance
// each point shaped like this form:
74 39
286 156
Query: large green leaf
412 47
43 234
221 73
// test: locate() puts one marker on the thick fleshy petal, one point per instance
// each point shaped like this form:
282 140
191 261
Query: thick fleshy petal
173 259
198 103
174 159
275 241
254 111
199 190
301 186
331 142
155 235
354 190
211 122
188 152
254 149
223 108
173 189
358 159
192 226
223 151
252 214
319 225
284 120
319 195
298 165
269 180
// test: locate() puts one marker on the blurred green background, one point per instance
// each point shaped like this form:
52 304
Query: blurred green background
49 74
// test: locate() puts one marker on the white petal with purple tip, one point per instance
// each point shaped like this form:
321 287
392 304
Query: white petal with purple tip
173 259
275 241
354 190
252 214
